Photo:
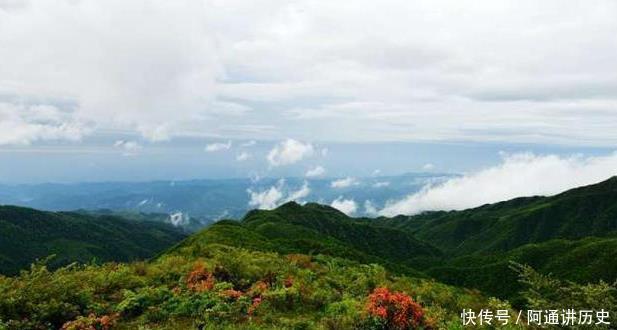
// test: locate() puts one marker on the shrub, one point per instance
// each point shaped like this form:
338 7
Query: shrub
91 322
395 310
199 279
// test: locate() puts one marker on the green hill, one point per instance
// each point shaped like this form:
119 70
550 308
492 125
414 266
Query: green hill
574 214
571 235
28 234
315 229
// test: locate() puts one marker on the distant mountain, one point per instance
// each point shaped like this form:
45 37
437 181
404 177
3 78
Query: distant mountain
27 234
199 202
178 219
314 229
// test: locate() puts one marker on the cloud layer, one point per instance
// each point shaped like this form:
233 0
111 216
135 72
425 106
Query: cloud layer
400 71
518 175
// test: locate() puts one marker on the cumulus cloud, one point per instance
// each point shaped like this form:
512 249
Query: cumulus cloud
517 175
243 156
315 172
218 146
277 195
299 194
347 206
344 183
267 199
129 148
428 167
289 152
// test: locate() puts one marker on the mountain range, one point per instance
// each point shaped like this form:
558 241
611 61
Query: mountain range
572 236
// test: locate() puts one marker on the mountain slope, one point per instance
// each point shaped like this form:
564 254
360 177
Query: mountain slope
574 214
28 234
315 229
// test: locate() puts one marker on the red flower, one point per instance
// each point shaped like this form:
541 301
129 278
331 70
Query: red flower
289 282
199 279
396 309
254 305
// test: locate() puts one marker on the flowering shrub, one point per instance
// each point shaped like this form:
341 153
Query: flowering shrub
91 322
231 294
258 288
254 305
395 310
199 279
289 282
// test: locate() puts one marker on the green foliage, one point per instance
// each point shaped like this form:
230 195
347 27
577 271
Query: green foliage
29 234
250 289
314 229
544 292
574 214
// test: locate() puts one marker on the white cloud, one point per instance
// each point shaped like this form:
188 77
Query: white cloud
267 199
299 194
140 77
315 171
179 219
243 156
218 146
276 195
176 71
347 206
344 183
428 167
324 152
129 148
289 152
518 175
370 209
381 184
25 124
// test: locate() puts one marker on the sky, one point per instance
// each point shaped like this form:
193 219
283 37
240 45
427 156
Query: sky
142 90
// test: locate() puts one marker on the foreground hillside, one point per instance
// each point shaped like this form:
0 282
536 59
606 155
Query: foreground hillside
227 287
27 234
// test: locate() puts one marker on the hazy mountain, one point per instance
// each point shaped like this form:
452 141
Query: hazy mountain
195 203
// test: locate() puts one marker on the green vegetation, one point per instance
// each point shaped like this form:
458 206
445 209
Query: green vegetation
229 287
314 267
574 214
28 234
316 229
571 235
